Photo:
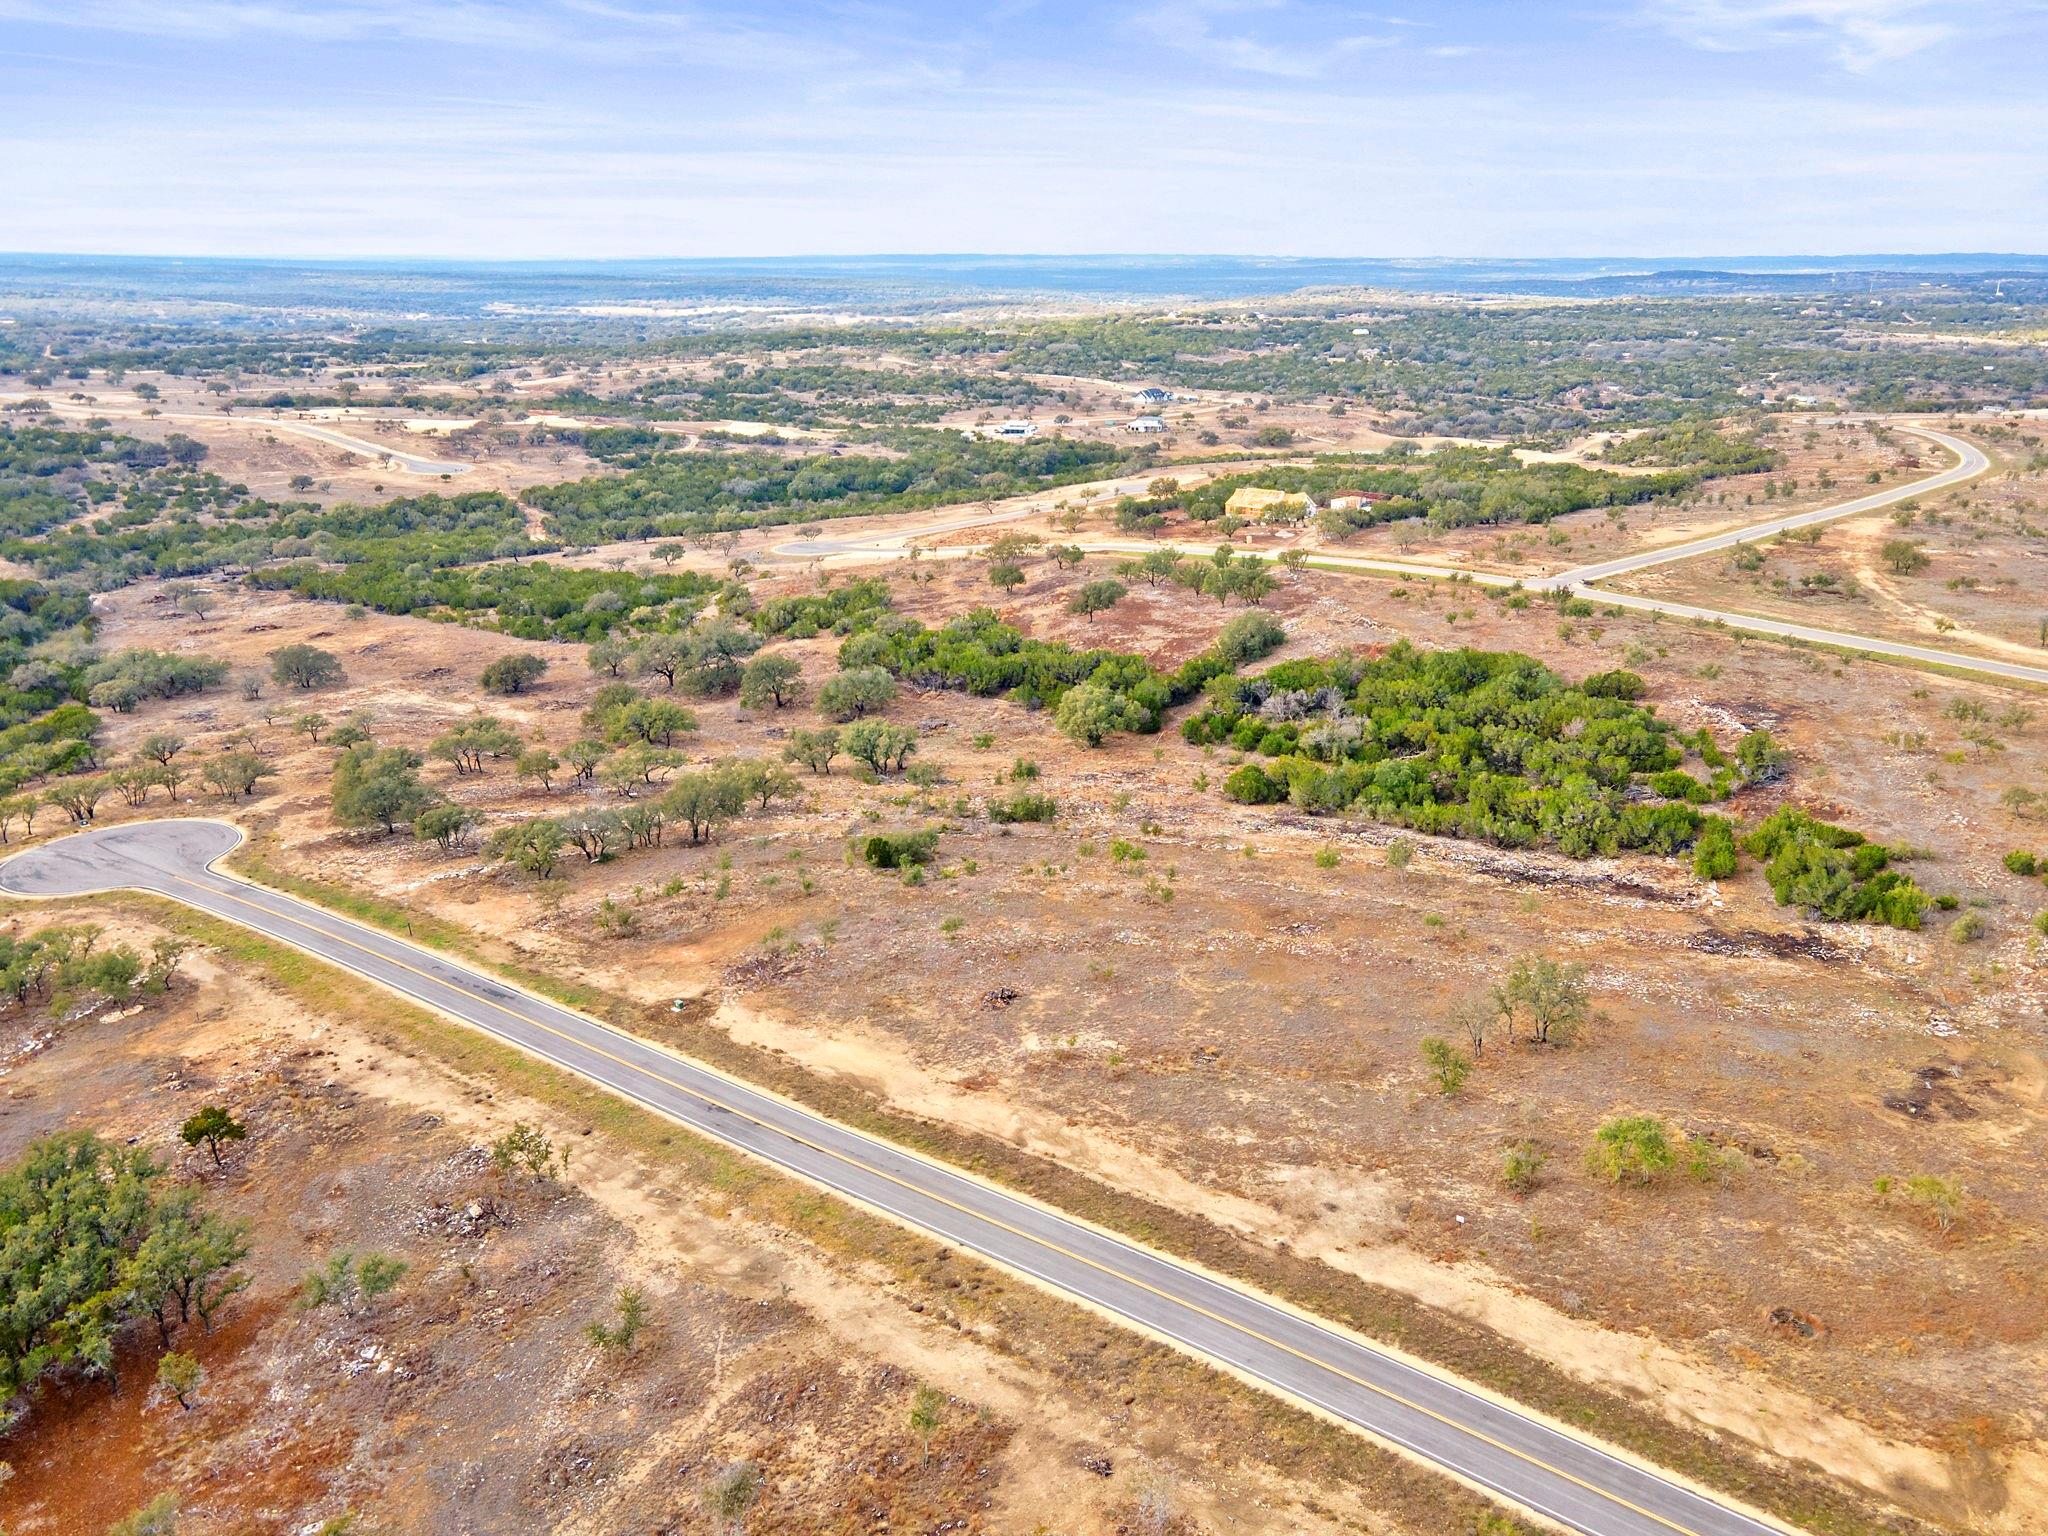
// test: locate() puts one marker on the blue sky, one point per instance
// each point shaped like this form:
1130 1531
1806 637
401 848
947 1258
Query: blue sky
477 128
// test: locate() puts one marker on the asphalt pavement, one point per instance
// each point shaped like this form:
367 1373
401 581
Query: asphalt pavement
1970 463
1540 1467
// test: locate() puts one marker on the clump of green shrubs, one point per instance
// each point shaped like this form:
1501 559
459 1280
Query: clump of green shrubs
1463 743
1713 851
1250 784
1833 872
899 850
1023 807
1631 1149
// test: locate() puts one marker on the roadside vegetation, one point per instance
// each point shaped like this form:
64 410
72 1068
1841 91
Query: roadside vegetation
96 1242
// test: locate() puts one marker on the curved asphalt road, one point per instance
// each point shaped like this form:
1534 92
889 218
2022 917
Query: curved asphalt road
1528 1463
1970 463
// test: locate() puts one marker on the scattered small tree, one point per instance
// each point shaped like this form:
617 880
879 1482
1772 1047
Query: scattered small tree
654 722
233 775
447 824
611 657
534 846
1550 994
513 674
524 1149
927 1413
540 765
878 744
352 1285
305 667
1473 1016
856 692
79 798
1448 1066
212 1125
161 747
478 737
583 756
379 786
704 802
765 782
1097 597
814 749
179 1376
1902 557
772 679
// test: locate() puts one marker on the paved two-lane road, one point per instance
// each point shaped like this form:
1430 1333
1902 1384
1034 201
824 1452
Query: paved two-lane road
1970 463
882 543
1527 1462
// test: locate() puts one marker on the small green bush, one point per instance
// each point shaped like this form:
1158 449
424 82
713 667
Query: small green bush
1448 1066
1521 1165
899 850
1252 785
1713 852
1631 1149
1248 637
2020 862
1023 807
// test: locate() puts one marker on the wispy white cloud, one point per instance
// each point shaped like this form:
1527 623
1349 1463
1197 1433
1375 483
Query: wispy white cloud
1427 172
586 30
700 127
470 21
1295 44
1858 34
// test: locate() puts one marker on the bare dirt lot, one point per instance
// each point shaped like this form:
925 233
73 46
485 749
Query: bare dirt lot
1221 1019
270 453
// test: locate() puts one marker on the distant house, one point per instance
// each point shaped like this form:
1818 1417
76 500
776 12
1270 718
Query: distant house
1351 501
1254 501
1152 395
1017 431
1145 424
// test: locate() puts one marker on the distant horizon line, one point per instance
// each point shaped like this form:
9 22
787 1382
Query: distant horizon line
1816 258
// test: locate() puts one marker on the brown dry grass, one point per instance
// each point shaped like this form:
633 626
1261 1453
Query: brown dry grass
1250 1044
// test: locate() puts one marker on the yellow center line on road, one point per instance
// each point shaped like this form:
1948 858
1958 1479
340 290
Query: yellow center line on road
994 1221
